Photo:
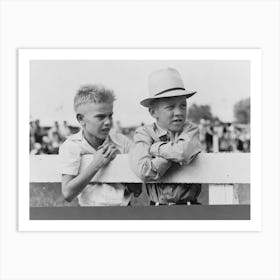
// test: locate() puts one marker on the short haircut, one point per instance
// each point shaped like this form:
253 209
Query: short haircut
153 103
93 94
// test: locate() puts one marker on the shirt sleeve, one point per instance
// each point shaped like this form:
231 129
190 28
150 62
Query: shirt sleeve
183 149
127 145
145 166
69 158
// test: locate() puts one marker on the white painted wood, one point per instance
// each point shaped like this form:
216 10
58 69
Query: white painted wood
215 144
212 168
223 194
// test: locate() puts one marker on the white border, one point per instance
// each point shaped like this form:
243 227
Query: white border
253 55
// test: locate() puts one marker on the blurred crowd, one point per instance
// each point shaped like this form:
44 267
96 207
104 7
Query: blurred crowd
214 136
46 140
224 137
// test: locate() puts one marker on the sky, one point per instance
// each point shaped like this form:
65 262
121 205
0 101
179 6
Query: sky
53 84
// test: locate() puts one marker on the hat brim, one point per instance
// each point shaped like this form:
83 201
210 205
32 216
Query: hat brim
174 93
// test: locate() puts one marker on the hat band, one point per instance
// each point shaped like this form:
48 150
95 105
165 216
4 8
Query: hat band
170 89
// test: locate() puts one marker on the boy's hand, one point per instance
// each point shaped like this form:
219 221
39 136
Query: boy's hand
109 150
99 159
105 154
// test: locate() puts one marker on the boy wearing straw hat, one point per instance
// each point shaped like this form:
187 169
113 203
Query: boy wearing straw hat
169 141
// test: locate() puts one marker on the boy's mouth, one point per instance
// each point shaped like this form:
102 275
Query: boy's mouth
105 130
177 121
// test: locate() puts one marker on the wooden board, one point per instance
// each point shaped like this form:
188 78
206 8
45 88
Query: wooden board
209 168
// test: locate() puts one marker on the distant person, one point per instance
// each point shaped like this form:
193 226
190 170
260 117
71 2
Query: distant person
209 137
239 139
38 132
46 146
55 143
246 146
65 130
31 135
169 141
217 135
232 138
224 144
202 133
36 149
93 106
247 135
54 132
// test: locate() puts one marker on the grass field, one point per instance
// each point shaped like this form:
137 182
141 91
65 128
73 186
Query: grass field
49 195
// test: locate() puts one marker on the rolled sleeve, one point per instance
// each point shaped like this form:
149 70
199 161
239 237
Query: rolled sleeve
160 165
144 165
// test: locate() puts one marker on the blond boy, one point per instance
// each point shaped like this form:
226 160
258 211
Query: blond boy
93 106
171 140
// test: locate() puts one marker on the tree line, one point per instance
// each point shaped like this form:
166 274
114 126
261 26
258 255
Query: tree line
241 111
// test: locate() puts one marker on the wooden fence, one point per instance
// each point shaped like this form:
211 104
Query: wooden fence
222 172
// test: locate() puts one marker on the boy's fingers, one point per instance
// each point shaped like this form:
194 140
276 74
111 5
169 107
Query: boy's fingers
113 156
113 153
104 148
100 149
109 151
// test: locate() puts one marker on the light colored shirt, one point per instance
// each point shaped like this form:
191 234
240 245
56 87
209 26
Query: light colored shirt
70 154
153 152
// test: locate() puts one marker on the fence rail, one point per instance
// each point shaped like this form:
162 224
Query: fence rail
215 168
221 171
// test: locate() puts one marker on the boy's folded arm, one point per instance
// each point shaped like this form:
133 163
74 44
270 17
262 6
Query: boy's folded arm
151 169
146 167
183 150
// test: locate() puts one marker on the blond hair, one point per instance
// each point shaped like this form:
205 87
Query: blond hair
93 94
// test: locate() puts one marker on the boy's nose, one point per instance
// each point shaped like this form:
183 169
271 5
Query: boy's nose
108 121
178 112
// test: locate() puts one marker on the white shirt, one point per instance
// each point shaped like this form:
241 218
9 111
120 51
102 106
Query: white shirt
70 154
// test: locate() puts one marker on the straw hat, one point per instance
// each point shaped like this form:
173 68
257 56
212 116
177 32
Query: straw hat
165 83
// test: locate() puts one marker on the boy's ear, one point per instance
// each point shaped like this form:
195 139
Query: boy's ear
152 112
80 119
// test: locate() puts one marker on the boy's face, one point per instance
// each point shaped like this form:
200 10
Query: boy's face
96 119
170 113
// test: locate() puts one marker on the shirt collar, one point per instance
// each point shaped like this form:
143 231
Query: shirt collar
80 136
77 136
160 131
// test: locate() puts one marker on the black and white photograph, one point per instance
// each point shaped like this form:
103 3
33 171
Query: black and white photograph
140 139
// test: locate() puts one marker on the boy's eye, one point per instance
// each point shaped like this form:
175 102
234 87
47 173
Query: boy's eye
169 107
100 117
103 117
